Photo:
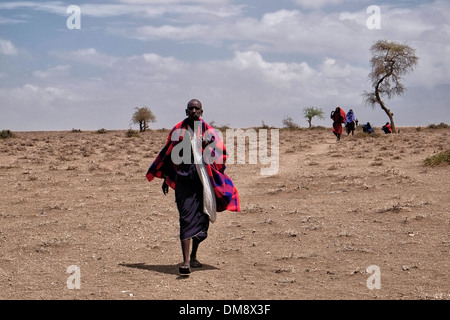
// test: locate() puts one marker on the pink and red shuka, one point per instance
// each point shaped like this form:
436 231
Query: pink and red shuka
227 197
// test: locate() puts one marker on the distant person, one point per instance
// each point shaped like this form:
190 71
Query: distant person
368 128
387 128
338 117
350 122
356 122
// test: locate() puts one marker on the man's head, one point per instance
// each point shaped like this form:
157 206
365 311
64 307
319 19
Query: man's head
194 109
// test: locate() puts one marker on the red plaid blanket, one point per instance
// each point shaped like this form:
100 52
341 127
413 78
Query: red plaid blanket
227 197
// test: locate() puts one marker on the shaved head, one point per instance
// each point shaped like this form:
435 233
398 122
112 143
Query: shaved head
194 110
194 103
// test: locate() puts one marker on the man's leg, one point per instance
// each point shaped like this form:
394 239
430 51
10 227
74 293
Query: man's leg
193 259
185 246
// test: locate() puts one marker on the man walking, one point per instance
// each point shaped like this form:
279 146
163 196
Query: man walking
196 173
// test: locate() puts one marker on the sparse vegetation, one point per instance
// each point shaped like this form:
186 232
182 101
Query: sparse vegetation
221 128
361 134
102 131
318 128
390 62
5 134
132 133
442 125
143 116
311 112
264 125
438 159
63 191
289 123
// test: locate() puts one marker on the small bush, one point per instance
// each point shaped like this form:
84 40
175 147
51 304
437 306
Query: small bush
289 123
437 159
318 128
76 130
442 125
365 135
264 125
5 134
102 131
132 133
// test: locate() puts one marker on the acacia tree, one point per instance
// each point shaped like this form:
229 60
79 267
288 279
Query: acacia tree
311 112
143 116
390 61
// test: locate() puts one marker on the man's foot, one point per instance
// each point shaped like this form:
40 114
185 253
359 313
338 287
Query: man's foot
183 270
195 263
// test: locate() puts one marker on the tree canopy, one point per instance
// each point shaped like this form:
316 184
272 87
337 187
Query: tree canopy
311 112
143 116
390 62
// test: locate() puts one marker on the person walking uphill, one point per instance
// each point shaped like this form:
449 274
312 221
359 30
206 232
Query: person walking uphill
338 117
350 122
192 162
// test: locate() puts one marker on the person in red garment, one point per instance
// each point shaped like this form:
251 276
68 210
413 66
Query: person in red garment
196 173
387 128
338 117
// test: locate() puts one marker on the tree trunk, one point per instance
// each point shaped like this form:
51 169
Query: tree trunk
390 115
382 105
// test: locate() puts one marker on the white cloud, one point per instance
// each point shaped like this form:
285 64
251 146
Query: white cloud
278 74
140 8
245 85
53 73
283 31
317 4
150 2
56 7
277 63
88 56
10 20
330 69
7 48
172 32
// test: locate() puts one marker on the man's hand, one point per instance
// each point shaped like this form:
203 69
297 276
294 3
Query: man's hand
165 188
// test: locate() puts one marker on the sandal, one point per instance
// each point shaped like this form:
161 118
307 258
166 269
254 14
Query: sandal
184 270
195 263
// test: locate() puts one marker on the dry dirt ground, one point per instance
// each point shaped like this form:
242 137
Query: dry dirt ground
309 232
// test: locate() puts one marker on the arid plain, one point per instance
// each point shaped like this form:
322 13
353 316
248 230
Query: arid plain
309 232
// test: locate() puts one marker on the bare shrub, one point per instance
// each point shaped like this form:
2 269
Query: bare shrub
5 134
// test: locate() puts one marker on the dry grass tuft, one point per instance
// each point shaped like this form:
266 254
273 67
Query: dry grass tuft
438 159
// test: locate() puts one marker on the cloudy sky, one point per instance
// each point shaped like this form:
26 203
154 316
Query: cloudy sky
248 61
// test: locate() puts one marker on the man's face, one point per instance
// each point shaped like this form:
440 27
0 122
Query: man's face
194 110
